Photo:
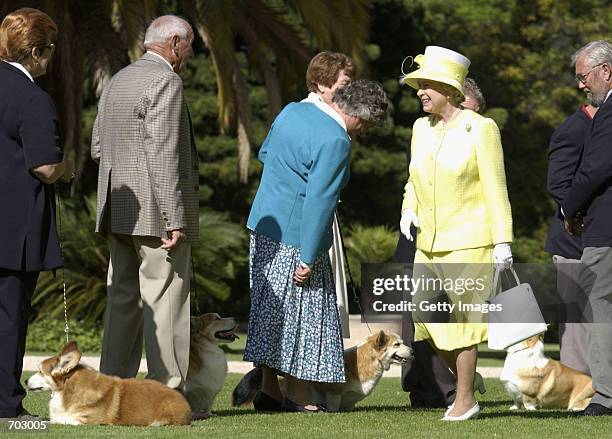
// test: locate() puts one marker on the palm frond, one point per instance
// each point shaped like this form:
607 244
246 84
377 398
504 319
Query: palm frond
104 49
245 128
214 22
258 56
129 18
341 25
351 27
272 23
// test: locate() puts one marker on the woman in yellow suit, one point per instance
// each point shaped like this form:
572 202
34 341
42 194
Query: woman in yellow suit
456 197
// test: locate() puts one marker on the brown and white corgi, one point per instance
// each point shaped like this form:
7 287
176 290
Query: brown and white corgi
80 395
535 381
207 362
364 365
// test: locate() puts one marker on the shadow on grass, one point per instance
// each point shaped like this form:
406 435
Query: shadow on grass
506 403
548 414
373 408
240 412
382 408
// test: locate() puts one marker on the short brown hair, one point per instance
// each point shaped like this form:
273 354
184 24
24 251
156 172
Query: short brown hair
22 30
325 67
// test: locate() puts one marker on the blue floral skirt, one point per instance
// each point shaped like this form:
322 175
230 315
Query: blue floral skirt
293 329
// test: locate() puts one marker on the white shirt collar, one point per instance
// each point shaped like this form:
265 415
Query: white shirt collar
161 57
20 67
608 95
317 100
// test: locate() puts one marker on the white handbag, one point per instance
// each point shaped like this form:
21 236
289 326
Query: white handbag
519 316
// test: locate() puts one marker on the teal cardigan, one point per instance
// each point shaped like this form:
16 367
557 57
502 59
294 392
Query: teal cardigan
306 165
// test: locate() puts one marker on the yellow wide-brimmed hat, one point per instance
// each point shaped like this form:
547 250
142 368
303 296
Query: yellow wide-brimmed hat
441 65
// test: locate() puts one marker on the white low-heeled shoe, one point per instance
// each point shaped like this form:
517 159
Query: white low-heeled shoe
470 414
478 385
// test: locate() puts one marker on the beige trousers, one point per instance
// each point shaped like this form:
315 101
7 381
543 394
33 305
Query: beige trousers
147 297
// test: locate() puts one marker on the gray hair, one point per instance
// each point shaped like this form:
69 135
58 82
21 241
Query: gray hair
471 89
363 99
596 52
165 27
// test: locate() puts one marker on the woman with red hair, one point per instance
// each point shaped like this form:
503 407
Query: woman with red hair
30 161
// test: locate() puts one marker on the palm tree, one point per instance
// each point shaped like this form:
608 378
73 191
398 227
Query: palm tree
98 37
279 38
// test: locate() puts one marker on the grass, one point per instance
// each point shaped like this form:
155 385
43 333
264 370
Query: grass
384 414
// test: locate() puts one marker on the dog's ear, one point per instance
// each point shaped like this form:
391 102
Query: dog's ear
68 359
381 339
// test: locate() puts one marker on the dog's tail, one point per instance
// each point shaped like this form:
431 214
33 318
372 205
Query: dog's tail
248 386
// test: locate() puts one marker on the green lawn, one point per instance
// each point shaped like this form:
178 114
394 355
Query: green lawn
384 414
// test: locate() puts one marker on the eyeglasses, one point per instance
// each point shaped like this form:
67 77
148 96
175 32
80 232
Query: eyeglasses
582 77
49 46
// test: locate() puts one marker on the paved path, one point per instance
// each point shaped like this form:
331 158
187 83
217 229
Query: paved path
30 363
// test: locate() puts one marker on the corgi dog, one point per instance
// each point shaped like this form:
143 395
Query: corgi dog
535 381
364 365
80 395
207 362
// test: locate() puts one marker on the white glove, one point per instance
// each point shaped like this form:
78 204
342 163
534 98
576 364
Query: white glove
502 256
408 218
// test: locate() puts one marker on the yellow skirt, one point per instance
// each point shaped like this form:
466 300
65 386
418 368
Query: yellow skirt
453 269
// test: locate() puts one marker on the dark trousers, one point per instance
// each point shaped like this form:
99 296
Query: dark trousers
426 377
16 289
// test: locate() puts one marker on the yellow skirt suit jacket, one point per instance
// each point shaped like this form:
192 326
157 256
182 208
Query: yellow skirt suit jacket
457 188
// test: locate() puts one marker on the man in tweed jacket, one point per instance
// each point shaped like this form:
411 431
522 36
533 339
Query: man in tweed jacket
148 207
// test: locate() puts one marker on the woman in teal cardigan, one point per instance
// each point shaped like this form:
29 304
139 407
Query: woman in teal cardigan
294 327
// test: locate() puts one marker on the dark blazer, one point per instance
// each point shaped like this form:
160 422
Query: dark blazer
591 191
564 154
28 138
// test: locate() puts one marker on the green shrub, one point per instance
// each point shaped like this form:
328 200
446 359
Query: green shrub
369 245
218 257
47 335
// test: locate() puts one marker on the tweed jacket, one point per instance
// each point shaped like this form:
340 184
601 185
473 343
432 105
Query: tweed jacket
143 140
306 164
457 184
